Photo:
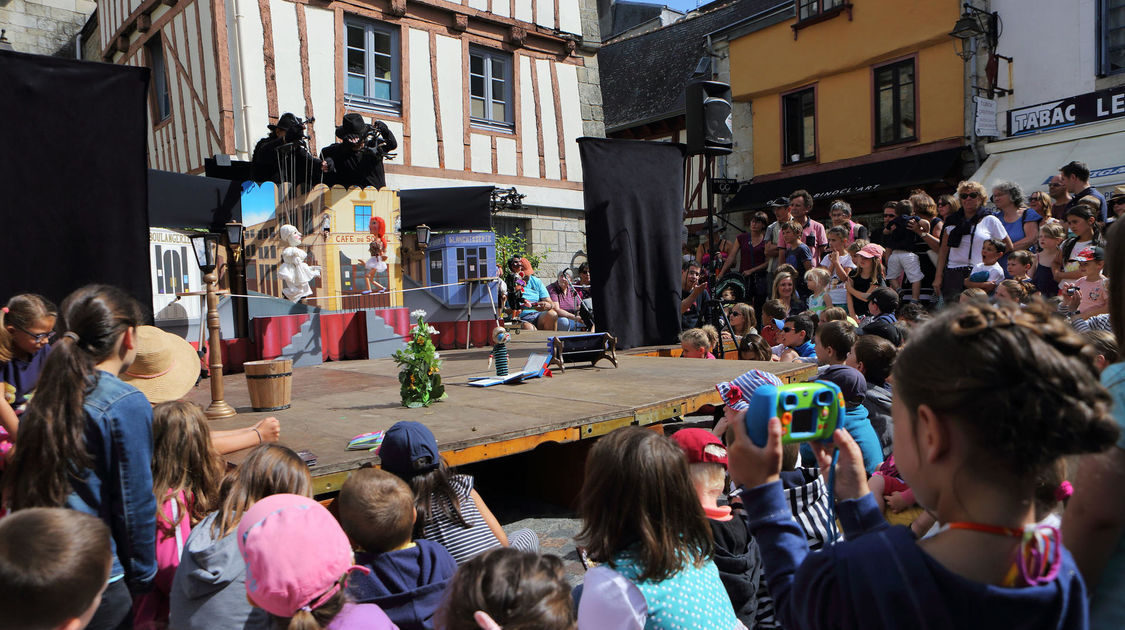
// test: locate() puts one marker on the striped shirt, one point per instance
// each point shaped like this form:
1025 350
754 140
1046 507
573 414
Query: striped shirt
462 542
807 496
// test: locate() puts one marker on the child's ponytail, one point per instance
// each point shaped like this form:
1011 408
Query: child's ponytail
320 617
52 432
22 311
1019 379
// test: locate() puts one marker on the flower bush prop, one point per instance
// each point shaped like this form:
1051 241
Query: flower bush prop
418 366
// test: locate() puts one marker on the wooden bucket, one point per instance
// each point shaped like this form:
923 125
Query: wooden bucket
270 383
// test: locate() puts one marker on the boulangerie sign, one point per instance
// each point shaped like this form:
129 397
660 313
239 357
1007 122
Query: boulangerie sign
1067 112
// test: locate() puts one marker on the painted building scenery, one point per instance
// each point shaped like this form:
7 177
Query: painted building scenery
335 228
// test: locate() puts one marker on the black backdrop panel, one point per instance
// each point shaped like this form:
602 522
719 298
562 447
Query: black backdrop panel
72 154
634 192
447 209
176 200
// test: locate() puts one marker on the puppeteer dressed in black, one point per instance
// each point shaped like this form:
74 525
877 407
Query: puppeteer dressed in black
283 156
358 159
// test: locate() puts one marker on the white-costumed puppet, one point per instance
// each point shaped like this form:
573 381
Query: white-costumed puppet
294 272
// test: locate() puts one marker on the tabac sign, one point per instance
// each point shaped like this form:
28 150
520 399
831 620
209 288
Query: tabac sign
1067 112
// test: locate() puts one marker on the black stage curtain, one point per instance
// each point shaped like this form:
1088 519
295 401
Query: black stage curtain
447 209
176 200
634 192
72 154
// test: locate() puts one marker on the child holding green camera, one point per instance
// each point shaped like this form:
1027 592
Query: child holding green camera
972 453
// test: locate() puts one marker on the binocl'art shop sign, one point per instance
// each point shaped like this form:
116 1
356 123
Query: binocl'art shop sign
1067 112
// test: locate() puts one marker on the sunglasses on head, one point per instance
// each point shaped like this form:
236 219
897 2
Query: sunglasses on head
971 195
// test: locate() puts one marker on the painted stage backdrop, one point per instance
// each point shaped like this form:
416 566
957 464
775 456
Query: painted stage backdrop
334 225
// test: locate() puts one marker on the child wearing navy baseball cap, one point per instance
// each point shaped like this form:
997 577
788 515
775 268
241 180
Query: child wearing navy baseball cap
450 511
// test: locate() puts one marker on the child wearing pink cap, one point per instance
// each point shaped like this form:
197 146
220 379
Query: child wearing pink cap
297 560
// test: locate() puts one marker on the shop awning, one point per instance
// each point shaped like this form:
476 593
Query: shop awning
840 183
1031 160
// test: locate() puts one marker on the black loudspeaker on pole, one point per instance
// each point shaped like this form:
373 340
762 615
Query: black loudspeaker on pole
708 118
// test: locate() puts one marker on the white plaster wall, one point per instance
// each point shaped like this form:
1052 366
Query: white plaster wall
536 195
396 129
182 144
449 96
570 19
525 10
192 64
506 156
545 13
528 136
502 8
423 122
287 58
210 74
1053 45
547 120
481 5
571 118
254 84
320 26
480 152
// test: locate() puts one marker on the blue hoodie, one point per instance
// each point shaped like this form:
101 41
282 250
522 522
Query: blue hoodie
408 584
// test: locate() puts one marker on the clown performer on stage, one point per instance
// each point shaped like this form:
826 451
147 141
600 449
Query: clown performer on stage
294 272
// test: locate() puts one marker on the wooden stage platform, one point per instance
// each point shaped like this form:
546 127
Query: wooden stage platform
336 401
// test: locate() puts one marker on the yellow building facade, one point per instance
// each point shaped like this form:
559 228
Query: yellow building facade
856 101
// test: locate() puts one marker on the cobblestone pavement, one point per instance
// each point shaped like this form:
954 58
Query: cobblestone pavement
556 537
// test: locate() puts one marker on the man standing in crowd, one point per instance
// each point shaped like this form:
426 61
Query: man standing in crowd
812 234
1076 176
775 248
1060 198
358 160
693 296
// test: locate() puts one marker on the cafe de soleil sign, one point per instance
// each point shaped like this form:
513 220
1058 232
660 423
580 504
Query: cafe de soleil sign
1067 112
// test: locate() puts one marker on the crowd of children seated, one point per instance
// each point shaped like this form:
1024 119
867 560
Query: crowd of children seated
973 480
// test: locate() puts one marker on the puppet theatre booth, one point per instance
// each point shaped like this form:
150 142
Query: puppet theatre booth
319 276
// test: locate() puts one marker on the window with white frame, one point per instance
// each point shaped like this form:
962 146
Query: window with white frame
490 88
1111 36
371 65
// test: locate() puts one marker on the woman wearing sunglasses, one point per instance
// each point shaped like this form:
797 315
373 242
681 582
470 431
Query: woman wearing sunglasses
27 325
964 233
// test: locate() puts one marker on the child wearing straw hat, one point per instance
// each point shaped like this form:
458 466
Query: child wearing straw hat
167 368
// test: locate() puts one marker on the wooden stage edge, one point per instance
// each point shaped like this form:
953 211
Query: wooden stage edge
334 402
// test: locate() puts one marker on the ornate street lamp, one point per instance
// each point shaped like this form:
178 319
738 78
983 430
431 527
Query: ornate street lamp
205 245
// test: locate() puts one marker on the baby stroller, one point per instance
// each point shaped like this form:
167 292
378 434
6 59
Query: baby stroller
733 281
